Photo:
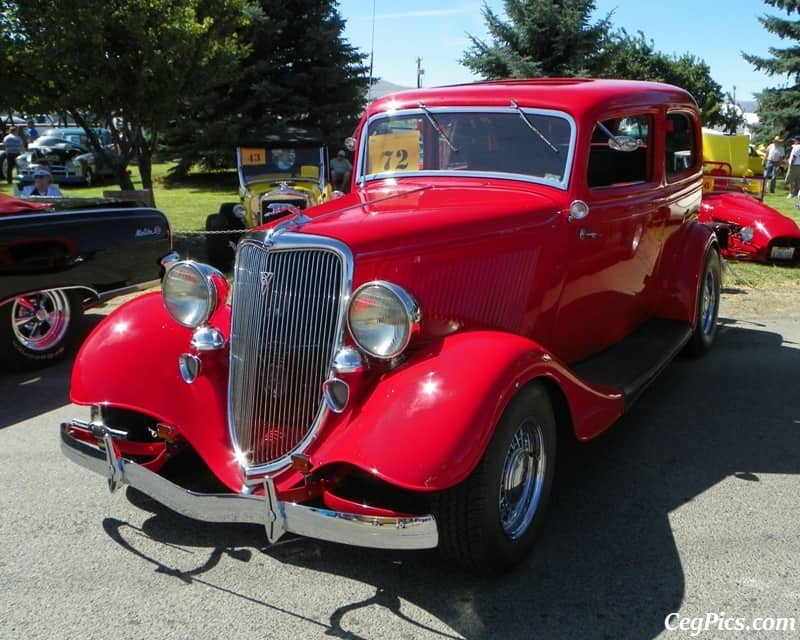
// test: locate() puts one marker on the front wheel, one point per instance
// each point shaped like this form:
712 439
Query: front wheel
39 328
488 523
707 306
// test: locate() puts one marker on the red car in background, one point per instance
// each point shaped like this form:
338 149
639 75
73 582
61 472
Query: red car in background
733 201
515 262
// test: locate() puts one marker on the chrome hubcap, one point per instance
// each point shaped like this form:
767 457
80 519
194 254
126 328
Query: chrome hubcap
708 309
40 320
522 479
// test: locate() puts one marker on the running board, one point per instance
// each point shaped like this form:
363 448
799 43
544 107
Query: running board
633 363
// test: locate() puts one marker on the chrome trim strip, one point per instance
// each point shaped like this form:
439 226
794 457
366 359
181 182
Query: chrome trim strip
95 297
282 241
377 532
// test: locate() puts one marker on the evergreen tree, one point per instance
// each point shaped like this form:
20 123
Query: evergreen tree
299 71
779 108
543 38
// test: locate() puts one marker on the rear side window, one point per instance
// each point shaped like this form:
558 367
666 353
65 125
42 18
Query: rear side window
680 144
620 152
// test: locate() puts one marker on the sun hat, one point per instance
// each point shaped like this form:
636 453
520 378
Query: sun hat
777 139
42 173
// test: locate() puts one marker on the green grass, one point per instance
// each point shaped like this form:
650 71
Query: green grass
185 203
188 202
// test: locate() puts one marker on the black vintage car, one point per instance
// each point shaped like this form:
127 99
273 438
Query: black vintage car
58 256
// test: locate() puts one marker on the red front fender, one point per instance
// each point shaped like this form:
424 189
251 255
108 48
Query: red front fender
130 360
426 424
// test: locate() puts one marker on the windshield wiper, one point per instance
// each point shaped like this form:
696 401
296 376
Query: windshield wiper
533 128
437 127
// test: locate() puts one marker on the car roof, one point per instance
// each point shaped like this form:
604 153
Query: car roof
575 95
282 137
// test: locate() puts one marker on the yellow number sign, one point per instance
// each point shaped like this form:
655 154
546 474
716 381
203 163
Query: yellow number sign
253 156
394 152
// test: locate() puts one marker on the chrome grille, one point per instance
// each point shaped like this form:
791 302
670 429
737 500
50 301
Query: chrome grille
284 330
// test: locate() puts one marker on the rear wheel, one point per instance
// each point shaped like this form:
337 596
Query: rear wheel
489 522
39 327
707 306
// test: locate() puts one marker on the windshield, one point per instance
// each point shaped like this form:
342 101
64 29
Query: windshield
529 143
261 163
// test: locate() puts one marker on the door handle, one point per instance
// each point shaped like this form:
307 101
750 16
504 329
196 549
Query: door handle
588 235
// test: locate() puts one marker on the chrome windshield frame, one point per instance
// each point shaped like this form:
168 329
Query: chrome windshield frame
563 184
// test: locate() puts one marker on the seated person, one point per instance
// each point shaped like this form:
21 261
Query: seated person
340 171
41 185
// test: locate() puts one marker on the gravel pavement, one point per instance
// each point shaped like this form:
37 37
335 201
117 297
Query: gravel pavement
689 504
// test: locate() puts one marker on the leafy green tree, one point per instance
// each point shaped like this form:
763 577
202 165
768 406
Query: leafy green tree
558 38
125 64
779 107
634 57
542 38
300 70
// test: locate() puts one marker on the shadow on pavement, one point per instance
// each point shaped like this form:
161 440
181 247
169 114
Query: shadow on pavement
31 393
606 565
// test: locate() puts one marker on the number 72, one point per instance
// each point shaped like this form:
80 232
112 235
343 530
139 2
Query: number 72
400 158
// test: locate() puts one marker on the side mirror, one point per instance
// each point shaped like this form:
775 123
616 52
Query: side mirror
623 143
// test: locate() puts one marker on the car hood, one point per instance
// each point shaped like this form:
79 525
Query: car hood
408 216
745 211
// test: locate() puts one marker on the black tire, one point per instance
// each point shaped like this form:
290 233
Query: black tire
50 333
477 532
708 290
219 252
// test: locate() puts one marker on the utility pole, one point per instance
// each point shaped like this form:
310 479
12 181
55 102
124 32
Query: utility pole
420 72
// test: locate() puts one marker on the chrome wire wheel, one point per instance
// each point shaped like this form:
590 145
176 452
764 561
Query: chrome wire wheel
708 308
522 479
39 321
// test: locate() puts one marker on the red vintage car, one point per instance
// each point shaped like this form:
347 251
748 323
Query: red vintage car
756 231
733 201
515 262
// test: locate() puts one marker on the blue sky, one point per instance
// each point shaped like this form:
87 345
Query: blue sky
713 30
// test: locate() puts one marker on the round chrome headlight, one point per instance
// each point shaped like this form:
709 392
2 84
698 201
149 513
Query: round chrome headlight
190 293
382 318
746 234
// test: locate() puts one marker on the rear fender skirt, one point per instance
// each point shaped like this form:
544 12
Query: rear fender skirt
425 425
680 273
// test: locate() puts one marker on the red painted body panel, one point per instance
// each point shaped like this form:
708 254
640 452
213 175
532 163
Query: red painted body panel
740 210
425 425
511 289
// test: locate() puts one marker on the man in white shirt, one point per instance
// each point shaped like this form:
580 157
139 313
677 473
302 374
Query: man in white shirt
793 172
41 185
13 145
772 161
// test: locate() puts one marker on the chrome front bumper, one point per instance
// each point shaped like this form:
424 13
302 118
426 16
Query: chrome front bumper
418 532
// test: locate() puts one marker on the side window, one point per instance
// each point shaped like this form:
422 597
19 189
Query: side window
620 152
680 144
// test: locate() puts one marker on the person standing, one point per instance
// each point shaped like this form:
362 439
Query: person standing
13 146
793 171
772 162
31 133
